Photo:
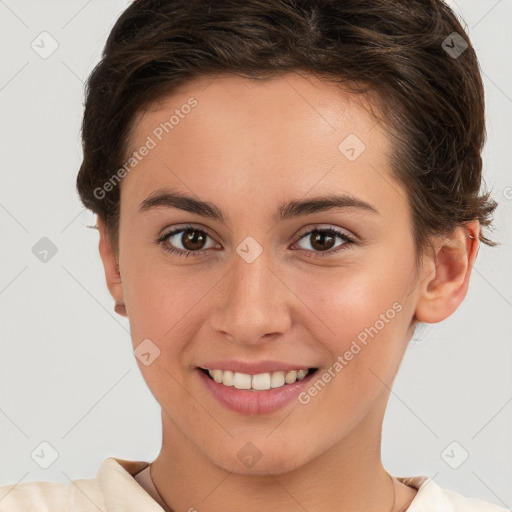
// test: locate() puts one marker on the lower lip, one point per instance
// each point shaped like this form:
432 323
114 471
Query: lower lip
255 402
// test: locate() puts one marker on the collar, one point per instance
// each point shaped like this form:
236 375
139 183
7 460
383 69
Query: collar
115 476
120 490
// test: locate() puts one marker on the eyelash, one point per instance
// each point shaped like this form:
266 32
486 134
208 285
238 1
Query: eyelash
334 232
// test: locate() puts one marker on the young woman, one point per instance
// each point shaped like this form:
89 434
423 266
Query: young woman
284 191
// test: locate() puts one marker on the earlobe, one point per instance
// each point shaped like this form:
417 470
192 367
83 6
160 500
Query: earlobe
111 267
445 279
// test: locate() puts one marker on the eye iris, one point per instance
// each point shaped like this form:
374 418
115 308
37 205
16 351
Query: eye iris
321 240
193 237
321 236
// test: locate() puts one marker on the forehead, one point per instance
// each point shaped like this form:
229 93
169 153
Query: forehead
288 134
282 99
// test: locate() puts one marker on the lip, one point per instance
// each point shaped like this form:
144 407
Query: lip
252 403
253 368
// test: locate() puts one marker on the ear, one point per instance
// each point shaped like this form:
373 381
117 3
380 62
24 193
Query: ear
111 266
446 272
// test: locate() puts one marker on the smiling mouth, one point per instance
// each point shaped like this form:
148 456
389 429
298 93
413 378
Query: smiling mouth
258 382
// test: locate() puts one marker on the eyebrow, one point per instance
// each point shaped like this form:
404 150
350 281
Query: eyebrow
173 199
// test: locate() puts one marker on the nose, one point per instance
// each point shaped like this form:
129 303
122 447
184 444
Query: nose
252 303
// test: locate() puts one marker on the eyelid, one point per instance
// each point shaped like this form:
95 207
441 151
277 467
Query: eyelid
184 227
307 229
348 238
178 228
326 227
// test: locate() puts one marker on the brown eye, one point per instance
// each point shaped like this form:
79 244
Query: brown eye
323 240
193 240
186 241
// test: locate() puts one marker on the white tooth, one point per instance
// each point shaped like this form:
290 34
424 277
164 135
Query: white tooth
301 374
227 378
261 381
291 377
277 380
242 381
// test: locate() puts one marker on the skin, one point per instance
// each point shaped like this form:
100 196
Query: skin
247 147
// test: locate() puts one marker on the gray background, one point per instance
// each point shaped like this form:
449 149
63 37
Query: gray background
68 375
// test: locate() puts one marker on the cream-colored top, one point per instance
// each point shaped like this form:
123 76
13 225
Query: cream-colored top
125 486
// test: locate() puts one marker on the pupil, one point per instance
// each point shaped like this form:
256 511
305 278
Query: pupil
196 238
193 237
321 237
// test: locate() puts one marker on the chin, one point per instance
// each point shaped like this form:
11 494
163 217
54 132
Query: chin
249 460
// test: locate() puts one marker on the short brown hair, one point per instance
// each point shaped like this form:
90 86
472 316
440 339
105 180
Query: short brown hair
431 99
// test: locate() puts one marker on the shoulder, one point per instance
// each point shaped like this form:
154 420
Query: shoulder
111 490
431 496
50 496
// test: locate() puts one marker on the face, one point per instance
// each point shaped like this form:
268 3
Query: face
258 287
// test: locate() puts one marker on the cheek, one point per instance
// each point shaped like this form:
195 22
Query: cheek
163 302
361 318
358 301
347 304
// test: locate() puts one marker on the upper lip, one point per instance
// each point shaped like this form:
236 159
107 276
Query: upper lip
253 367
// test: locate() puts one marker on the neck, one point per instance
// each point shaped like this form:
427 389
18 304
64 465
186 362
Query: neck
348 476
